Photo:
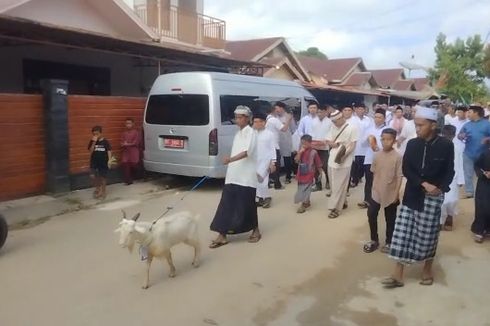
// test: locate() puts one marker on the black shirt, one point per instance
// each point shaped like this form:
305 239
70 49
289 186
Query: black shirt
431 162
99 156
483 163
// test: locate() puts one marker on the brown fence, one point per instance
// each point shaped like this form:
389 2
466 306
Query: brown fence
22 151
84 112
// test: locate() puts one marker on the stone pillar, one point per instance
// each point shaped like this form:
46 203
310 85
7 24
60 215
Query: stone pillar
55 98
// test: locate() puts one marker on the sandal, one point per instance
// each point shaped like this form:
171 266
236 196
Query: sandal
427 281
392 283
216 244
255 238
333 214
370 247
385 249
363 205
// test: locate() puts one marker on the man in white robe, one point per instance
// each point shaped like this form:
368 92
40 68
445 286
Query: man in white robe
237 210
342 136
266 159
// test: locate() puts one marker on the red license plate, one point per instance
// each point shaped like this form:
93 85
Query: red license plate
173 143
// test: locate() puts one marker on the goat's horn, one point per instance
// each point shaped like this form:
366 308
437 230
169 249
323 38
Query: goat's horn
136 217
124 213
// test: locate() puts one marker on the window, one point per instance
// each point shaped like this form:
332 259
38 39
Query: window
178 110
228 104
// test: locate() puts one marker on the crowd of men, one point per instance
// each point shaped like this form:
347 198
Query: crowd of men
434 149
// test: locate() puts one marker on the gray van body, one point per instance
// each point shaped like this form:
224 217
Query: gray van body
178 141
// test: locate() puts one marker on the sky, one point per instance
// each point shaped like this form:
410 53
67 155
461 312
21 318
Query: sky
383 33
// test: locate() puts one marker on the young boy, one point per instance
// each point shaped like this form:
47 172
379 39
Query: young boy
449 208
387 179
309 163
100 154
481 224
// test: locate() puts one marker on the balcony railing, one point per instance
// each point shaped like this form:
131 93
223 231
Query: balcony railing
187 27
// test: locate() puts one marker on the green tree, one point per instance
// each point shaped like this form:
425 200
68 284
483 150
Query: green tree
486 61
313 52
459 69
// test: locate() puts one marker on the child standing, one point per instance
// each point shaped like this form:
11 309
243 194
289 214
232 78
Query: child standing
387 179
100 154
449 208
309 163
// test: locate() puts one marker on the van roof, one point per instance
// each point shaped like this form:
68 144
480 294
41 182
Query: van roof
234 77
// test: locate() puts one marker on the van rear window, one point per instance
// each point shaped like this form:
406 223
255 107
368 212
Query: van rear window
179 110
264 104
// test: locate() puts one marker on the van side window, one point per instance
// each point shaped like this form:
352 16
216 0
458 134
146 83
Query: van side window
228 104
178 110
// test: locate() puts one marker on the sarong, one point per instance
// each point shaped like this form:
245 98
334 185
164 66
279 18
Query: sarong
339 182
237 211
303 193
417 233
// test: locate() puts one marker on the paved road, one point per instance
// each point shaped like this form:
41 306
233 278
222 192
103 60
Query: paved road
307 270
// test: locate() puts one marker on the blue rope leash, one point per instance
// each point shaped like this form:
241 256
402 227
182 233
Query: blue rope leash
169 208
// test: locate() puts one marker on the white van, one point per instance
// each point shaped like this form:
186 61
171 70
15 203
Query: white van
188 123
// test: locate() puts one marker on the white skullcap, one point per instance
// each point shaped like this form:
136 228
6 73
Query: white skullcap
426 113
336 115
243 110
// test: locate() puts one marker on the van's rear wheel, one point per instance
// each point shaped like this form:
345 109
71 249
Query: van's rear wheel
4 229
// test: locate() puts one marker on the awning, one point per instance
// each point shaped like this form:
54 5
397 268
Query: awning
343 89
412 95
16 29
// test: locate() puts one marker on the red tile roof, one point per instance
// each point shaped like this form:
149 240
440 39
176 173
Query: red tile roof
358 79
387 77
331 69
249 49
404 85
420 83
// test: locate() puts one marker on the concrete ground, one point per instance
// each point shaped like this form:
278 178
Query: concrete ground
307 270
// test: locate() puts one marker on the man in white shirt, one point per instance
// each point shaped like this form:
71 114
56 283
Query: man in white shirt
275 125
237 210
342 137
304 127
459 145
321 128
266 159
364 123
373 139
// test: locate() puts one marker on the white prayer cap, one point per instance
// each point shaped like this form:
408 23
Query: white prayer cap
336 115
426 113
243 110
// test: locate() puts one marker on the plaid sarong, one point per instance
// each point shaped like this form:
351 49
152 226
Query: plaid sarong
416 233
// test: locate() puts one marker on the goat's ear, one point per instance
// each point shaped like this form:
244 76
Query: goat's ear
136 217
124 214
117 230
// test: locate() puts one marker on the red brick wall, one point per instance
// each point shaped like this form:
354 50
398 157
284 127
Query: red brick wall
22 152
84 112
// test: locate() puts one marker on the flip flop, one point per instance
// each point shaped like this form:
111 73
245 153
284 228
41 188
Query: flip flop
427 281
333 214
217 244
363 205
391 283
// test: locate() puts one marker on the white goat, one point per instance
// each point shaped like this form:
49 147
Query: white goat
161 237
